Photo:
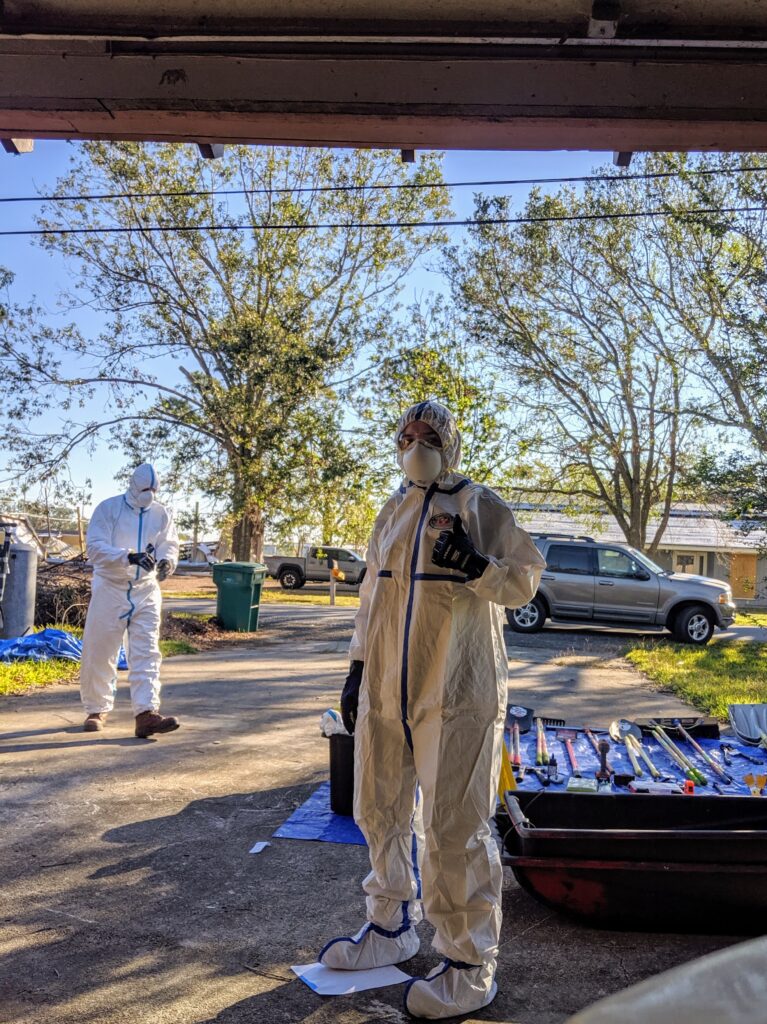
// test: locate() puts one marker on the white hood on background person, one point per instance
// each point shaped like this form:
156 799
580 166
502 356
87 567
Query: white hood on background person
137 495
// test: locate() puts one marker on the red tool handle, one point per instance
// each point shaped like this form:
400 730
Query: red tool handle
571 755
516 758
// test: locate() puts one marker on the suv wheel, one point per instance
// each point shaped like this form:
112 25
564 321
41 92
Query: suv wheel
694 626
291 579
527 619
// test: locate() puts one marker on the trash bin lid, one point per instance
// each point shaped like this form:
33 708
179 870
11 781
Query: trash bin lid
240 568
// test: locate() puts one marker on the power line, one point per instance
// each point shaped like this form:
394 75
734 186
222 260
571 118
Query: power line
373 225
414 185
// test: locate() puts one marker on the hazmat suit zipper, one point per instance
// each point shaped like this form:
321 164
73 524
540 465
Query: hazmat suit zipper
140 532
409 612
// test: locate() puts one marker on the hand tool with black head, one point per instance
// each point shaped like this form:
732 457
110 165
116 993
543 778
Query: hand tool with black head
566 737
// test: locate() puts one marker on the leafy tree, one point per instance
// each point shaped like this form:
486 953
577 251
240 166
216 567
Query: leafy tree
226 326
569 308
434 358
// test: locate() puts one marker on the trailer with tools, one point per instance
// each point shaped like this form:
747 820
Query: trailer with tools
657 824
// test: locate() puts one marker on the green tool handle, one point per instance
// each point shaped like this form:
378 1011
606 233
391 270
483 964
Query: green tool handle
541 754
681 760
632 756
706 757
645 756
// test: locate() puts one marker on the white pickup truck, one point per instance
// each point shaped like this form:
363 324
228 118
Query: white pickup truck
293 572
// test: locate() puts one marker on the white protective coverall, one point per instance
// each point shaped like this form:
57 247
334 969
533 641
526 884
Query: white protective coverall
431 716
125 598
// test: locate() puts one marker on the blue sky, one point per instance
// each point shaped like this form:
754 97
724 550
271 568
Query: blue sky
46 276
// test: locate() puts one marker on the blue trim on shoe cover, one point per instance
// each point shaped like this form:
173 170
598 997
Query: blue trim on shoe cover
446 965
370 927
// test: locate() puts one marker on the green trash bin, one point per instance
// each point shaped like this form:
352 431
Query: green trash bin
239 594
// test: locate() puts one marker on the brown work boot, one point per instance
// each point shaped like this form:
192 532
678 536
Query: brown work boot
150 722
95 723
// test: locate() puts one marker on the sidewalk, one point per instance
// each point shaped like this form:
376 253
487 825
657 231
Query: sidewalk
129 893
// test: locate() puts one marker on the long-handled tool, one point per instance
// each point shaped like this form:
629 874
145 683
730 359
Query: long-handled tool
637 747
597 745
750 723
541 748
717 768
516 756
566 737
603 772
676 754
619 730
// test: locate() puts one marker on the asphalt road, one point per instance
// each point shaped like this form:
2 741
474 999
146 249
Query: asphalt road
578 638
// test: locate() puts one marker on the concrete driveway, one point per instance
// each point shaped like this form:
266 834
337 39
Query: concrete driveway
129 894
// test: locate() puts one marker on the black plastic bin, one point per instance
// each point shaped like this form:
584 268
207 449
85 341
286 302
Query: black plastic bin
632 861
342 774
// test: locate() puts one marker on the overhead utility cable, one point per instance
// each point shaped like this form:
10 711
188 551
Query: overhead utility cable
373 225
302 189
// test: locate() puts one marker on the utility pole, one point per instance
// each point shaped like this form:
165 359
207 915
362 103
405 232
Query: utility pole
80 533
196 530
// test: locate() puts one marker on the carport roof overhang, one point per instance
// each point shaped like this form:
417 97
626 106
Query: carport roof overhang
499 74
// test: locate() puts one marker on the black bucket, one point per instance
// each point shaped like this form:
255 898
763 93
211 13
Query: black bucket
342 774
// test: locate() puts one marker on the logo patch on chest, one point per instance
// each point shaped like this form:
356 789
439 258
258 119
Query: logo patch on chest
441 521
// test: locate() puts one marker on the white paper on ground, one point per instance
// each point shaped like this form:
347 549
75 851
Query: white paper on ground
327 982
259 847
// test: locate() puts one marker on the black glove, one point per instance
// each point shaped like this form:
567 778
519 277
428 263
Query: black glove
454 550
163 569
350 695
142 559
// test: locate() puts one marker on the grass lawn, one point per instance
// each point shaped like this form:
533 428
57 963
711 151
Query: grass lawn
18 676
711 677
751 619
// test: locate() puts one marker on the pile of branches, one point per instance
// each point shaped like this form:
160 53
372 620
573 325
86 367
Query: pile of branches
63 593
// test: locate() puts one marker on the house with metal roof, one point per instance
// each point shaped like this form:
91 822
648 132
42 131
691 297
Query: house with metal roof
696 540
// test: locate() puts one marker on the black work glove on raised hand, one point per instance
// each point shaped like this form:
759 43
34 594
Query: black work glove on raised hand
454 550
142 559
163 569
350 695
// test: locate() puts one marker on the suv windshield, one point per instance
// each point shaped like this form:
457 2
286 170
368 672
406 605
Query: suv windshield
648 562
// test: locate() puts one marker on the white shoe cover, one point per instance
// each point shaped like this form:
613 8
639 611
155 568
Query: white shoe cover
451 989
370 947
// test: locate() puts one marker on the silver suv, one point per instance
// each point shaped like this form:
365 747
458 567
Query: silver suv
614 585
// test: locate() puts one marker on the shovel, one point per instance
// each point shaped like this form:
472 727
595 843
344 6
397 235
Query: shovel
750 723
623 731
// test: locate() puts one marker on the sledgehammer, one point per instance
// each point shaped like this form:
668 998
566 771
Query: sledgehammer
566 736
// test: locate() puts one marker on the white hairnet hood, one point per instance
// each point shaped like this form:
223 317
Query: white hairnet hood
443 422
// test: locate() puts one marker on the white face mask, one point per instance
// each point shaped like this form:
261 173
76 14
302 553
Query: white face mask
143 500
422 464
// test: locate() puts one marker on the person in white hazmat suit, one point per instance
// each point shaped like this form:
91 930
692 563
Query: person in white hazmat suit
426 699
132 544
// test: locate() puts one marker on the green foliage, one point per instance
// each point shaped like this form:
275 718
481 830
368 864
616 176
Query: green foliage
709 678
19 676
223 343
432 357
596 365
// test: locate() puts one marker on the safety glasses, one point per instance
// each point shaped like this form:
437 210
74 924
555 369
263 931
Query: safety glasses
405 440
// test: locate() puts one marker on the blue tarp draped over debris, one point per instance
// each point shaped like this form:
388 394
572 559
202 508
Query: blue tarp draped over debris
47 644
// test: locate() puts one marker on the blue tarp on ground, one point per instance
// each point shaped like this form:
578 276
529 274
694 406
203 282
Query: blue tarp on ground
315 820
47 644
